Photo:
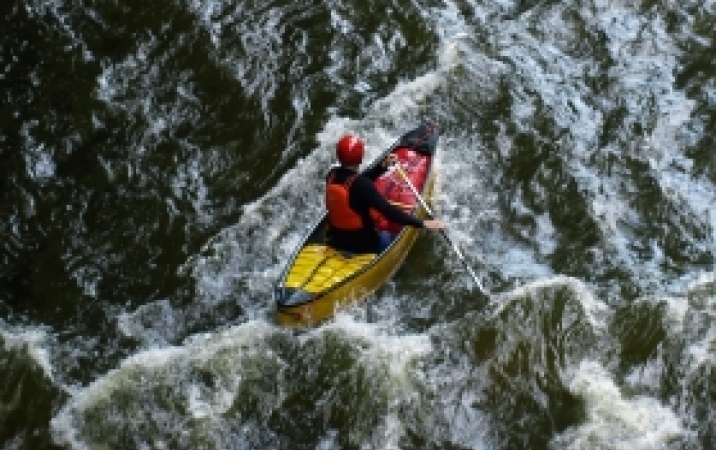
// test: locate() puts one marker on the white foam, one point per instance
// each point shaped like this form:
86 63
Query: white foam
155 324
615 421
189 184
229 358
39 159
221 354
33 341
700 328
544 71
387 360
595 310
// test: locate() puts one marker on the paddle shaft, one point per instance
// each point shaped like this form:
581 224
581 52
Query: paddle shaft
429 211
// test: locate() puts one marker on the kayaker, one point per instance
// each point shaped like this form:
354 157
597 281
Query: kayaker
350 196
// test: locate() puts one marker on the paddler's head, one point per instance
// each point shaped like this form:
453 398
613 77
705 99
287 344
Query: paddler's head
349 150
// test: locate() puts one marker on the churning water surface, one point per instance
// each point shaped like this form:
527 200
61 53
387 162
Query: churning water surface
161 160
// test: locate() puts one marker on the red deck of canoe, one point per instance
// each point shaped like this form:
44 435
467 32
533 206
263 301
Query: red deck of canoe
394 188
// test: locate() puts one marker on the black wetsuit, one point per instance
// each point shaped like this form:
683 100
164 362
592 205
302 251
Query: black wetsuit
362 196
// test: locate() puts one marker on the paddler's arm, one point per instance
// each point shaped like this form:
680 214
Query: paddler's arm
430 224
375 200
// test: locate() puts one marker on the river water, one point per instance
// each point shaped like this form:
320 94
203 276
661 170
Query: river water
160 160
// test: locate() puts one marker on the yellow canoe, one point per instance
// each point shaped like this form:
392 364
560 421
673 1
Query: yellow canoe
319 280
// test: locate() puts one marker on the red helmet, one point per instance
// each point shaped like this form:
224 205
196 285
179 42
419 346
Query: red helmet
350 150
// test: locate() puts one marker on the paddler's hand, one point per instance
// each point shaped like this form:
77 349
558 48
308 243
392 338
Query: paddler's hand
390 160
434 224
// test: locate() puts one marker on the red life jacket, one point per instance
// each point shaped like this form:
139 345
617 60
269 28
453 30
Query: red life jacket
340 214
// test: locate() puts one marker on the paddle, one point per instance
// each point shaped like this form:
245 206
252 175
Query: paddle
454 246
